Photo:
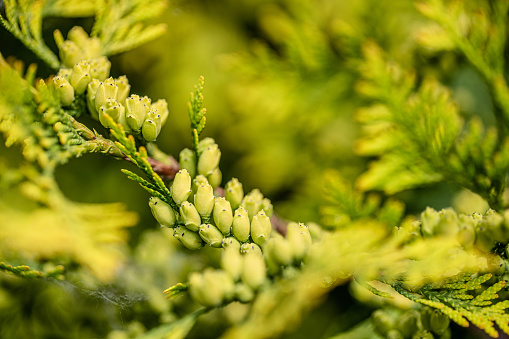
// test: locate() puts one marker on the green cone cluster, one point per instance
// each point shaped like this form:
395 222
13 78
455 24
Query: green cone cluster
239 224
282 252
481 231
247 265
205 164
137 115
86 72
210 217
82 62
240 276
78 46
412 324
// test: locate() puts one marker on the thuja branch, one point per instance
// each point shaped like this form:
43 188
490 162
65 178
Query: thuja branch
25 271
139 157
96 143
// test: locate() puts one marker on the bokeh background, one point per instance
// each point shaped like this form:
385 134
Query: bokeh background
280 92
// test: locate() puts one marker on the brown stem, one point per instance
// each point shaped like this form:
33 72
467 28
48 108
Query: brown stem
279 224
165 171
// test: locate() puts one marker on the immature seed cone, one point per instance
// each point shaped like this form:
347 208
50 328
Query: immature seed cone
123 88
204 199
181 187
78 35
316 231
394 334
187 160
188 238
423 334
227 284
190 216
438 322
211 235
266 205
70 53
232 262
162 212
151 126
100 68
80 76
211 288
231 242
407 323
64 89
204 143
196 287
65 73
240 225
209 160
114 110
299 238
106 90
279 250
251 205
466 235
429 221
244 293
90 46
234 192
223 215
250 247
93 48
198 181
161 107
215 177
254 270
136 112
382 322
90 97
483 239
425 317
260 228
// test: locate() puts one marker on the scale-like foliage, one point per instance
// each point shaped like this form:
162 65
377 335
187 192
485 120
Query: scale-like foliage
24 20
197 113
30 273
91 235
121 29
479 33
457 302
139 158
345 204
418 136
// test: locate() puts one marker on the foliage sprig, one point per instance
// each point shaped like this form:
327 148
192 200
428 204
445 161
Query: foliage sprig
25 271
436 145
197 113
483 310
139 157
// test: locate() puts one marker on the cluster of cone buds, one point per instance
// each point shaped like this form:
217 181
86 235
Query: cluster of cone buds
137 115
428 323
240 276
246 266
207 163
87 73
239 224
203 218
481 231
82 61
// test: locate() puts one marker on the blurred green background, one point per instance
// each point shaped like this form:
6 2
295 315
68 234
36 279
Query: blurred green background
280 81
